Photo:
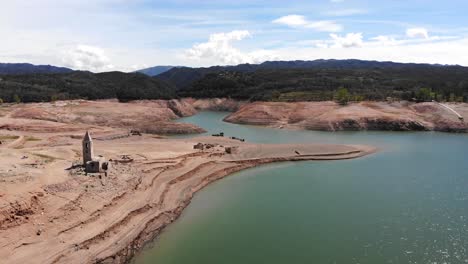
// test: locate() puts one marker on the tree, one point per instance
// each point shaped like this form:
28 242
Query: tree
359 98
275 95
342 96
424 94
452 97
16 99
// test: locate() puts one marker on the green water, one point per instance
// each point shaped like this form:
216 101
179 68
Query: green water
406 204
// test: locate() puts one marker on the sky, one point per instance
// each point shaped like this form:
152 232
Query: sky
126 35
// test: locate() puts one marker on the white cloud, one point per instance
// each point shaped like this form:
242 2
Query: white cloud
350 40
325 25
292 20
85 57
385 40
298 21
219 49
417 33
346 12
447 50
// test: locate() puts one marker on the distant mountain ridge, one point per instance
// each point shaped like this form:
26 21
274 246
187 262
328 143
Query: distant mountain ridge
156 70
270 81
184 77
27 68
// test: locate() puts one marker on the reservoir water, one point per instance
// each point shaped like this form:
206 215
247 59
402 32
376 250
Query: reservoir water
408 203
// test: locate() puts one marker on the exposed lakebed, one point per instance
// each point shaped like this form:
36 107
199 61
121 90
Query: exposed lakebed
405 204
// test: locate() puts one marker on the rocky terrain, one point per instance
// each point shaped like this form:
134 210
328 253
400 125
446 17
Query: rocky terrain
157 116
215 104
153 116
329 116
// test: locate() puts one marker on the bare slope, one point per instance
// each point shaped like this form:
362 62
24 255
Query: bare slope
153 117
329 116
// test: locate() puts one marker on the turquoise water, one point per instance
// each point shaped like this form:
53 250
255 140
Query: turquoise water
408 203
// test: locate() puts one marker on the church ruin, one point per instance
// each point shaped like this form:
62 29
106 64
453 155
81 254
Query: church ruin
92 163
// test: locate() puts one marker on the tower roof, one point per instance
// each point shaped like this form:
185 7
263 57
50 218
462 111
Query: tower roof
87 137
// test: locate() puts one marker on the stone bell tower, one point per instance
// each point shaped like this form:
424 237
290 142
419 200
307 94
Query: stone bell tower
88 151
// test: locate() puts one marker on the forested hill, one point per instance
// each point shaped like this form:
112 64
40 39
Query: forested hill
316 84
184 77
82 85
26 68
320 80
269 81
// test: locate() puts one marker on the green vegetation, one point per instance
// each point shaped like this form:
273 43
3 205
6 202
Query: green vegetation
16 99
343 81
342 96
300 96
82 85
421 83
8 137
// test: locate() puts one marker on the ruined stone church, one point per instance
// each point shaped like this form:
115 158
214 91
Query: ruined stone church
92 163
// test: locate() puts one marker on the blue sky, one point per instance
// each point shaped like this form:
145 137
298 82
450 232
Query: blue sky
103 35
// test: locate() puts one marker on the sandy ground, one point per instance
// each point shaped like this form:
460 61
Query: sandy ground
329 116
53 213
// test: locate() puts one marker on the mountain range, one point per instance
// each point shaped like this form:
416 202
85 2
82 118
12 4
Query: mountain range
156 70
183 77
27 68
269 81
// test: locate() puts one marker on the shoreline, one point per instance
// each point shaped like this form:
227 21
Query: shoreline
150 233
157 116
91 219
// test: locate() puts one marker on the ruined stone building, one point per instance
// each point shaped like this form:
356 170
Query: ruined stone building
92 163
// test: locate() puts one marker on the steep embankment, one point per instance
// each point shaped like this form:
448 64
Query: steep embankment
329 116
153 116
215 104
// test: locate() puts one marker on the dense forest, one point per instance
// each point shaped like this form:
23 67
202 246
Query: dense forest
420 83
82 85
348 80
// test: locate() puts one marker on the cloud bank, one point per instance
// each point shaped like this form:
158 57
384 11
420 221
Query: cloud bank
298 21
85 57
417 33
219 47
